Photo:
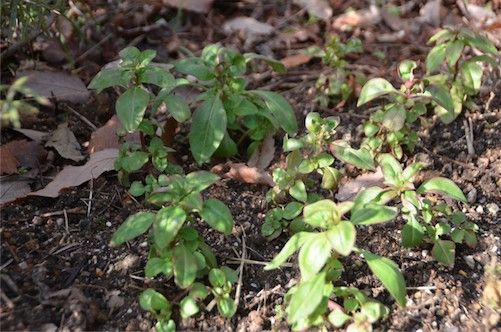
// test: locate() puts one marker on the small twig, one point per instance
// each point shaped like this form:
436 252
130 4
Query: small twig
77 210
8 301
66 221
4 265
84 54
89 207
469 136
489 101
81 117
422 288
234 260
241 272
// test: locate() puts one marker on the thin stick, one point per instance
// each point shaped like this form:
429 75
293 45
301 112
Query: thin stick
66 221
90 197
81 117
240 276
469 137
77 210
233 260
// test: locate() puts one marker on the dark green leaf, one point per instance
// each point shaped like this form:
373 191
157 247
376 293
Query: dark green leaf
177 107
453 52
444 251
373 214
133 226
131 106
195 67
280 109
441 96
134 161
435 57
412 233
198 291
110 77
443 186
168 222
373 89
217 215
185 266
292 210
389 274
208 129
274 64
158 76
481 42
157 265
360 158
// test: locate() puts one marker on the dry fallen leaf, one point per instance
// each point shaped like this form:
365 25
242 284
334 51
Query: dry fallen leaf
430 13
263 155
317 8
59 85
248 25
106 136
351 188
296 60
114 301
197 6
359 18
243 173
72 176
13 188
34 135
65 143
27 154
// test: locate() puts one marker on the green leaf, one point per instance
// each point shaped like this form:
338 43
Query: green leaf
164 325
110 77
373 214
373 89
217 278
198 291
207 129
177 107
306 298
338 318
137 189
443 186
130 53
368 195
158 76
133 226
472 75
168 222
321 214
280 109
406 68
481 42
441 96
292 210
394 118
157 265
276 65
131 106
389 274
435 57
330 178
313 255
454 50
294 243
441 36
185 266
188 307
374 310
392 170
154 302
298 191
217 215
226 306
444 251
195 67
342 237
360 158
134 161
412 233
200 180
228 148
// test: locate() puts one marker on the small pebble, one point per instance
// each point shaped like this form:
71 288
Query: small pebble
480 209
424 253
472 196
469 261
143 244
254 285
129 311
492 208
108 224
99 272
37 220
59 221
23 265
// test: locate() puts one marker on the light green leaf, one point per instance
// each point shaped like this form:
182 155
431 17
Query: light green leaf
375 88
185 266
472 75
195 67
443 186
412 233
394 118
342 237
338 318
453 52
133 226
313 255
280 109
298 191
392 170
207 129
321 214
292 210
330 178
188 307
154 302
435 57
134 161
294 243
444 251
226 306
373 214
177 107
158 76
200 180
306 298
130 107
110 77
168 222
217 215
441 36
360 158
406 68
389 274
157 265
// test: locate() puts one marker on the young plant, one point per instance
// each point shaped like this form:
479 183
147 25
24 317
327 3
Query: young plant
230 114
336 86
176 249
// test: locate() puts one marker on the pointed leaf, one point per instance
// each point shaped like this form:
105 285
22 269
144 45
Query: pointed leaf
168 222
435 57
133 226
441 96
444 251
131 106
342 237
443 186
280 109
306 299
177 107
313 255
373 214
373 89
217 215
185 266
294 243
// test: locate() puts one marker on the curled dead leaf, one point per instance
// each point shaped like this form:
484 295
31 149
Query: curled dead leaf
263 155
248 25
65 143
352 187
20 153
243 173
296 60
106 136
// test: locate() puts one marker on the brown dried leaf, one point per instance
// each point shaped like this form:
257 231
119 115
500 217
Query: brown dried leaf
72 176
197 6
65 143
243 173
296 60
60 85
263 155
359 18
18 153
34 135
248 25
106 137
350 189
12 188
